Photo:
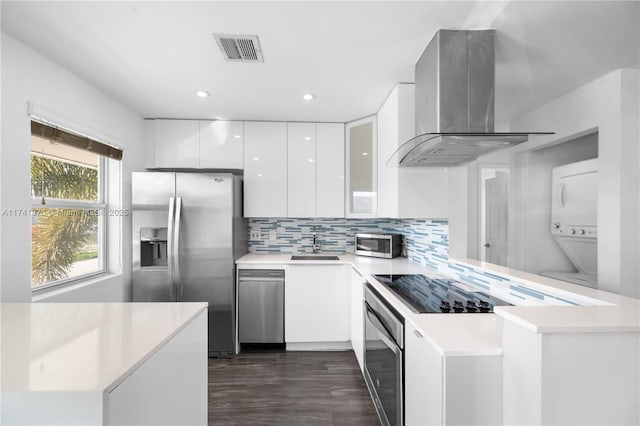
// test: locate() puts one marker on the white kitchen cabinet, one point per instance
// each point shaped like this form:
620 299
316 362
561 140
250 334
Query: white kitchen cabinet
316 313
176 143
195 144
265 169
357 319
169 387
406 192
423 380
221 144
361 165
315 170
301 170
329 170
449 390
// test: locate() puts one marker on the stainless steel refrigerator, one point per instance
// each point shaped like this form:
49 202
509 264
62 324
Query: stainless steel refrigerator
188 231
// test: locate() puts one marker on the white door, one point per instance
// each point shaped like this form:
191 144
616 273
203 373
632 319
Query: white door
496 221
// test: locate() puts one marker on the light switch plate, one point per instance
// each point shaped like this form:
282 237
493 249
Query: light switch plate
254 234
272 235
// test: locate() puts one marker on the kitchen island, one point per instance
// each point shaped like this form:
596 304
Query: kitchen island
104 363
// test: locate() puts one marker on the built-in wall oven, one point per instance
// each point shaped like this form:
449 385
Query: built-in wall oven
384 357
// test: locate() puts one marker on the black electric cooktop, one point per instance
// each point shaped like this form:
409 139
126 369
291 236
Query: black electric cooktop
439 295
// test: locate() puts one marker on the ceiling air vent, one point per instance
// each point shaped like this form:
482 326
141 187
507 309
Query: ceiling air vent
239 48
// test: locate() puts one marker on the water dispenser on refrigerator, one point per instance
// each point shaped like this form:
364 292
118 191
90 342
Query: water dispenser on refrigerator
153 247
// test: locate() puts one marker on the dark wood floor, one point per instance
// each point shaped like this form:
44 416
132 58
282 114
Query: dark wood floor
289 388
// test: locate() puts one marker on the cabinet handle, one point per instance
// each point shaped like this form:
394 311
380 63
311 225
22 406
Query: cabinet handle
418 334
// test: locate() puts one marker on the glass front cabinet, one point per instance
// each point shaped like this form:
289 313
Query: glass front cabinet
361 150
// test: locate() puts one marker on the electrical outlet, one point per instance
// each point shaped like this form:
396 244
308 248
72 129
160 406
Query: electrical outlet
272 235
254 234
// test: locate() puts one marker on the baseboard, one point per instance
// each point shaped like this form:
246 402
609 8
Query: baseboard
319 346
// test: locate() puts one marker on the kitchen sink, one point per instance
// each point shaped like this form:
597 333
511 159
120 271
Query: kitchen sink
314 257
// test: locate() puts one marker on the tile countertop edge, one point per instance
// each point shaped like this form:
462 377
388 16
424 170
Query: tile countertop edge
621 314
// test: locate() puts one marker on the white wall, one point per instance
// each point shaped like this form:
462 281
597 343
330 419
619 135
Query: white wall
609 105
28 77
539 252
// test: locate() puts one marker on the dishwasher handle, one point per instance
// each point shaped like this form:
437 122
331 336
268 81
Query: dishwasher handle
260 275
259 279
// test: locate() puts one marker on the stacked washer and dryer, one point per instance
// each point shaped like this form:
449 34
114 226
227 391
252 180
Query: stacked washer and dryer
574 224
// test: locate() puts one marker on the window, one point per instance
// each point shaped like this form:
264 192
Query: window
69 206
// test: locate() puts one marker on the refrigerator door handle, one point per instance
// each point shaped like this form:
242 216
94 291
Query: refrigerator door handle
176 250
170 244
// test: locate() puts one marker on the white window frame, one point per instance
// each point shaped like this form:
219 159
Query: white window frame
101 205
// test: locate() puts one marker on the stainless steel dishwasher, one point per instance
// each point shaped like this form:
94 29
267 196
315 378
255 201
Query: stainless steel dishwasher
260 306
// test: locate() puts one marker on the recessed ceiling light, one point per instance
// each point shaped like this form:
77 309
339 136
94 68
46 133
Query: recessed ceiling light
255 158
311 160
202 94
236 136
365 153
308 96
307 138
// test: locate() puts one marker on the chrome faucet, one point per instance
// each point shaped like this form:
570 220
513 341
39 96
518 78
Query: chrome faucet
315 245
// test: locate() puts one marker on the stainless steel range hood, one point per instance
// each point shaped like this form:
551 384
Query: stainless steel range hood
455 85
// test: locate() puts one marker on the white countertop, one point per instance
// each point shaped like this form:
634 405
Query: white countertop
451 335
614 313
83 347
480 333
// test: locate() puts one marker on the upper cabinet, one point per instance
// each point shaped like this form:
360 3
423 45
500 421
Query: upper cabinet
406 192
315 170
290 169
221 144
195 144
301 164
361 160
265 169
176 143
329 170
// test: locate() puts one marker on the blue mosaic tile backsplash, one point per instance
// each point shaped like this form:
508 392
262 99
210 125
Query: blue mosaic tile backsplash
425 241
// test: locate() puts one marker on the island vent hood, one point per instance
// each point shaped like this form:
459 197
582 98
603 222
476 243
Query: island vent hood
454 92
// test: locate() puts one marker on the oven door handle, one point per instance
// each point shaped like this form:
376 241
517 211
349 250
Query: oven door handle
382 331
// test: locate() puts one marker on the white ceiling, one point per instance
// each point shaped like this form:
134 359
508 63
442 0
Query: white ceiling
153 56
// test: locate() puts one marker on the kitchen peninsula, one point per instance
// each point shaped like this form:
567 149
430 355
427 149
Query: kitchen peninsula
563 354
104 363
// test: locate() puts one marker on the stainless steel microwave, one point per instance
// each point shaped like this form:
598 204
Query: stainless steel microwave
379 245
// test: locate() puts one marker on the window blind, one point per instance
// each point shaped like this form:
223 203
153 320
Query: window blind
77 141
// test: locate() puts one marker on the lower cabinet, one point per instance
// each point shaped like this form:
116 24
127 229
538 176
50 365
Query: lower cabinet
449 390
169 388
357 320
316 307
